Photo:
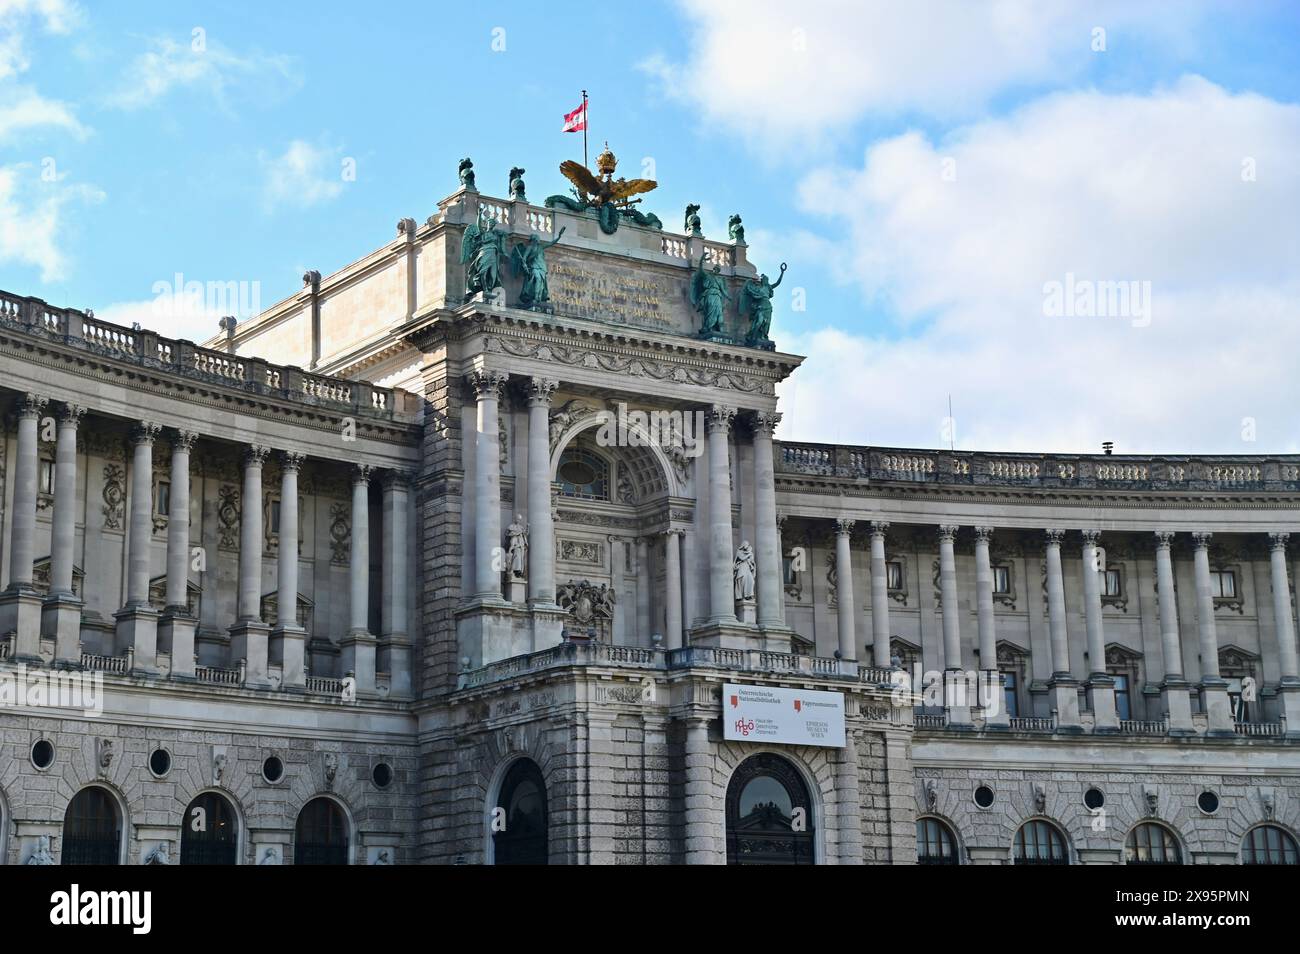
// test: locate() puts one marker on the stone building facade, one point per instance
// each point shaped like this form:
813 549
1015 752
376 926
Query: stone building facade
539 552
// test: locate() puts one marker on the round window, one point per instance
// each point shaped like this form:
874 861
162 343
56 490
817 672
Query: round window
1207 802
1094 798
273 769
984 797
382 775
43 754
160 762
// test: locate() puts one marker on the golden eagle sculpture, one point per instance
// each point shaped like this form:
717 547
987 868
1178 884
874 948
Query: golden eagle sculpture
609 198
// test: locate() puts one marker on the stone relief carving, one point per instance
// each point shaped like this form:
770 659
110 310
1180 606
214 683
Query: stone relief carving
104 755
340 534
41 854
331 765
160 855
566 414
580 551
114 496
832 580
228 517
218 765
270 855
586 601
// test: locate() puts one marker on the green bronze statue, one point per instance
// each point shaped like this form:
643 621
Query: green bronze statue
529 260
516 192
735 230
709 297
467 175
483 252
756 304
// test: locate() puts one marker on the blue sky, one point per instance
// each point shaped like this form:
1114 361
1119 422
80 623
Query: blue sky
128 155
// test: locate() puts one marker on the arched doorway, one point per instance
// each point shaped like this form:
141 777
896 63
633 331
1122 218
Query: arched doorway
521 838
769 814
92 829
321 837
210 832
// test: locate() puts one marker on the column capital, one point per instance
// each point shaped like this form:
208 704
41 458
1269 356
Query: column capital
256 455
71 414
765 422
395 478
781 518
879 528
32 406
486 384
144 433
1164 538
292 461
719 418
1201 539
1277 541
184 440
1054 537
844 526
540 391
361 474
1090 537
983 534
947 532
673 532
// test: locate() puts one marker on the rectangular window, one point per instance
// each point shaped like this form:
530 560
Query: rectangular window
1112 583
275 516
894 575
1002 580
163 504
1122 703
47 477
1223 584
787 569
1009 694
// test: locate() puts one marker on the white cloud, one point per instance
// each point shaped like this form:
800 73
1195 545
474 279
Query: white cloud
25 109
172 316
785 74
205 66
53 16
304 175
32 229
1146 188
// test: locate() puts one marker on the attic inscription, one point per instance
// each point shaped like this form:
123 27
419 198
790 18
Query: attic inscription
613 296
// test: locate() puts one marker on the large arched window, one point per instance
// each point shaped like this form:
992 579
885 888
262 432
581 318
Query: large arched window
322 834
935 843
519 828
92 829
769 814
1040 842
1268 845
583 474
209 832
1152 844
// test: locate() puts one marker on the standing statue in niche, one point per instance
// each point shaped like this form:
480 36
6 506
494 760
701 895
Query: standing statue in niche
529 260
517 533
709 296
483 251
467 175
743 572
756 304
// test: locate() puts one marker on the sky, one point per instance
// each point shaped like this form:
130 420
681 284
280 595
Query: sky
1074 223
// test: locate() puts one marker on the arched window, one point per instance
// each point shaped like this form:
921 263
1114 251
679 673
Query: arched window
935 843
1040 842
209 832
769 814
520 839
322 834
583 474
92 829
1268 845
1152 844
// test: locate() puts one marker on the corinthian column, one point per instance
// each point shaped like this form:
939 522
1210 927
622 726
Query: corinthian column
1177 699
768 548
1288 689
879 596
137 621
1101 687
176 628
1214 690
250 637
395 649
1065 693
20 608
844 589
61 614
541 528
722 605
488 560
673 588
358 647
957 688
995 710
288 639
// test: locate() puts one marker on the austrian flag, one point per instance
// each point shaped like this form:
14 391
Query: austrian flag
576 121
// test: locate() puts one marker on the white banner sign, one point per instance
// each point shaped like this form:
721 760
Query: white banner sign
782 716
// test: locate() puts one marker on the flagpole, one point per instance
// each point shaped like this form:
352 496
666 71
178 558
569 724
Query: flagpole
584 129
